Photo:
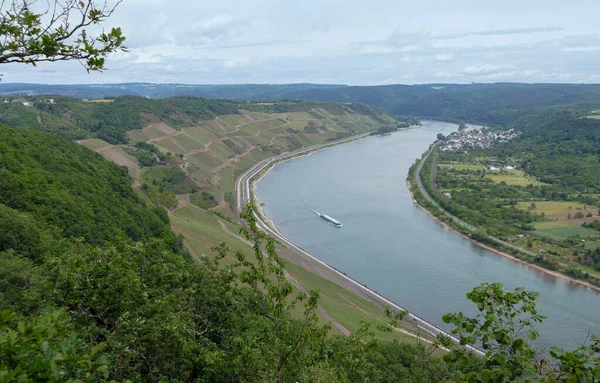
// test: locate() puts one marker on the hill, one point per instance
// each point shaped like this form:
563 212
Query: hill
486 103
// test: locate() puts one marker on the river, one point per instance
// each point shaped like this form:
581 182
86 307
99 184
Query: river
397 249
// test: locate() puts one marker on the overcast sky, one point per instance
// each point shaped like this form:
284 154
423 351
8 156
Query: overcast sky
357 42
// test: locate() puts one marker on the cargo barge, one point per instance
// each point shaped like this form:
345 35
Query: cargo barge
329 219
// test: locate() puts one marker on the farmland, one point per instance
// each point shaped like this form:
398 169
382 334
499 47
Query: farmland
514 177
560 230
552 209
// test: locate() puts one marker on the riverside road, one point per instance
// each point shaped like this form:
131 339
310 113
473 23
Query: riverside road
243 188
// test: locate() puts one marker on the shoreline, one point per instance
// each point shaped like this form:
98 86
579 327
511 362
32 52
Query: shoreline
489 248
501 253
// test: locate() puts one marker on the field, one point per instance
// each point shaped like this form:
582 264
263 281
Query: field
560 230
468 167
347 308
592 245
552 208
95 144
188 143
514 177
169 145
118 156
203 231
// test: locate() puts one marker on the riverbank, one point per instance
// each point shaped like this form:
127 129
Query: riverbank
490 248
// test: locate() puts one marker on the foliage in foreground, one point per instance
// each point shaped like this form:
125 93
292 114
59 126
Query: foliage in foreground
505 329
32 34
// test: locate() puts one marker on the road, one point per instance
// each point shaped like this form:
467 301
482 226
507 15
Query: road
243 195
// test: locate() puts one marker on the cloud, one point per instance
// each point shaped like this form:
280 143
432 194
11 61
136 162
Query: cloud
346 41
443 58
502 32
486 69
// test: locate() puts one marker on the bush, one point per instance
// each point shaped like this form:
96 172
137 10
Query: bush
203 200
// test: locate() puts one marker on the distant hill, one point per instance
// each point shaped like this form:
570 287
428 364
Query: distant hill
486 103
232 92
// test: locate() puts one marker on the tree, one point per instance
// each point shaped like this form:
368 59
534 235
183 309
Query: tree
56 31
44 348
579 215
504 330
533 206
440 137
295 343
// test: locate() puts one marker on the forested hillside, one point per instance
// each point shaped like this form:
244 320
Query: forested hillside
486 103
109 119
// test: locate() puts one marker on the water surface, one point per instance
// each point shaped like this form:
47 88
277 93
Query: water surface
394 247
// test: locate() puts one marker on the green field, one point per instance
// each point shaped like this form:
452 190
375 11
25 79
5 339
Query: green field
560 230
347 308
189 143
514 177
197 134
227 182
169 145
551 207
204 160
232 120
592 245
159 130
95 143
202 230
594 116
138 135
468 167
254 128
259 155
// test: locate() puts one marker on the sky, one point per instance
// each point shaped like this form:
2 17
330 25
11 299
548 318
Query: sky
354 42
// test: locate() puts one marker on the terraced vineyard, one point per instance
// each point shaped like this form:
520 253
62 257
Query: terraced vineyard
215 152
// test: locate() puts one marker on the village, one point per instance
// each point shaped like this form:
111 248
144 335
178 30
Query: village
471 138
